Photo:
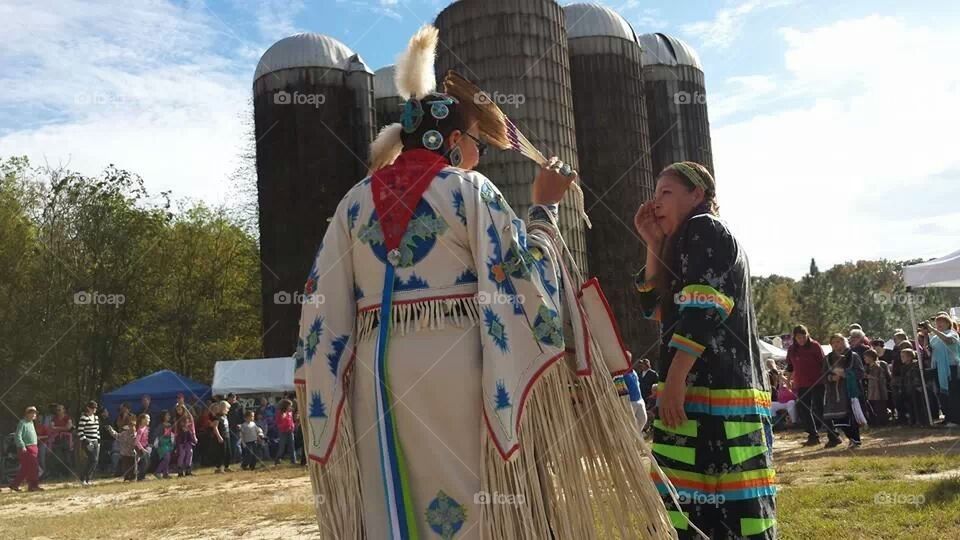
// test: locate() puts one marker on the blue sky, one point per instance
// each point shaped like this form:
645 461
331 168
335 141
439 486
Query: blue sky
833 123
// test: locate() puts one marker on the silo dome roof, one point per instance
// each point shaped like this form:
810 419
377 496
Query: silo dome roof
664 49
304 50
383 85
588 19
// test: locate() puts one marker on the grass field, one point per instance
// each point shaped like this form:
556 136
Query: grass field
903 483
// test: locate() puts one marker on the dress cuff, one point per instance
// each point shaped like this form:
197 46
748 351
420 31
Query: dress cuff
544 212
686 345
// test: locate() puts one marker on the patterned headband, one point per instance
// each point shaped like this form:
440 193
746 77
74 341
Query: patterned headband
690 173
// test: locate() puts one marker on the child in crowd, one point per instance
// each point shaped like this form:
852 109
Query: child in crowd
164 444
221 438
251 437
285 425
911 398
143 445
186 440
878 379
127 448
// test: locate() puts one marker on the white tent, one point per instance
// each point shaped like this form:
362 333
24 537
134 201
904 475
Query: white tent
771 351
260 376
942 272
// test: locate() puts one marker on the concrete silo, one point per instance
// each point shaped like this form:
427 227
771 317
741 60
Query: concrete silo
517 52
386 98
314 120
614 151
676 102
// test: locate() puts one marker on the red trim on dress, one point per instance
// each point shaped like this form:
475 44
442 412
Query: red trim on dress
336 419
523 400
594 282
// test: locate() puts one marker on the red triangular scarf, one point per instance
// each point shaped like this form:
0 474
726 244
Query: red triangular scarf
397 190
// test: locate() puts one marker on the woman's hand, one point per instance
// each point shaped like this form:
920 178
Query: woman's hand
670 403
647 226
550 184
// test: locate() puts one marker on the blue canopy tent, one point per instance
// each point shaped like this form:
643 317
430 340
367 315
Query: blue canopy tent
162 386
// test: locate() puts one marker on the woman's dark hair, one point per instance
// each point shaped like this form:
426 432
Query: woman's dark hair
801 329
286 404
456 119
871 353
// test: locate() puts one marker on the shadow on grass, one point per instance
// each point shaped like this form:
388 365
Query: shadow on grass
942 491
893 441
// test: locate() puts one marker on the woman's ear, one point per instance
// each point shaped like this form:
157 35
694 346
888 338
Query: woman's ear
700 194
454 137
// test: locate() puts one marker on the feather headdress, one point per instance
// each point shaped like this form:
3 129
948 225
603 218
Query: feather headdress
414 75
414 79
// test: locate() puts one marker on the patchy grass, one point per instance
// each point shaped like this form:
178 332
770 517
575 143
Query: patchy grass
871 509
901 484
270 503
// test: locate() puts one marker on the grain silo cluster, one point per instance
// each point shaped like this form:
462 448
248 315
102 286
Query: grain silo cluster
577 80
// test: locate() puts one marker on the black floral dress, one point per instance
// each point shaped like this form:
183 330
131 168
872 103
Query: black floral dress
718 459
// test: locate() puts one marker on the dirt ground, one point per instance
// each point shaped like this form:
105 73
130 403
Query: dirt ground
277 502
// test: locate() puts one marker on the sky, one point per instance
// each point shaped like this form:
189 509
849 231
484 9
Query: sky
834 124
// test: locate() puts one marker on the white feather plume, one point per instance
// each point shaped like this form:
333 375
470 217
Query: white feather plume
414 75
386 147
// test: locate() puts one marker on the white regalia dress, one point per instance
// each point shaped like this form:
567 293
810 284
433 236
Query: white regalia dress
475 338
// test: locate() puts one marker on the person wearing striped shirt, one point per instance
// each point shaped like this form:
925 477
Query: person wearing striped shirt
89 431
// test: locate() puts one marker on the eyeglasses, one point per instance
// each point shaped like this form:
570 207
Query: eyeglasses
481 146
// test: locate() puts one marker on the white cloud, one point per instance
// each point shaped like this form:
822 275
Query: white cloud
856 167
87 84
745 92
728 22
275 18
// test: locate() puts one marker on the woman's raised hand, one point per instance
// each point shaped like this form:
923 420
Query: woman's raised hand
551 183
646 224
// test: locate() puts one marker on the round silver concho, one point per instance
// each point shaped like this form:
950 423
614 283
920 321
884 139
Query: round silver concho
432 140
393 257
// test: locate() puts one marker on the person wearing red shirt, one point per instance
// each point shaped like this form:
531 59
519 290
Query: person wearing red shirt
805 370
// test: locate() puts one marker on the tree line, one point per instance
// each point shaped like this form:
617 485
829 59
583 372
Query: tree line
871 293
102 282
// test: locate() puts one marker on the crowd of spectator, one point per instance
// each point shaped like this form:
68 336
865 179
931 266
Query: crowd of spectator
139 443
859 381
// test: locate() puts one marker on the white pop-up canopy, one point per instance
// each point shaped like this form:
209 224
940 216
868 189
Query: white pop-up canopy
942 272
259 376
771 351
